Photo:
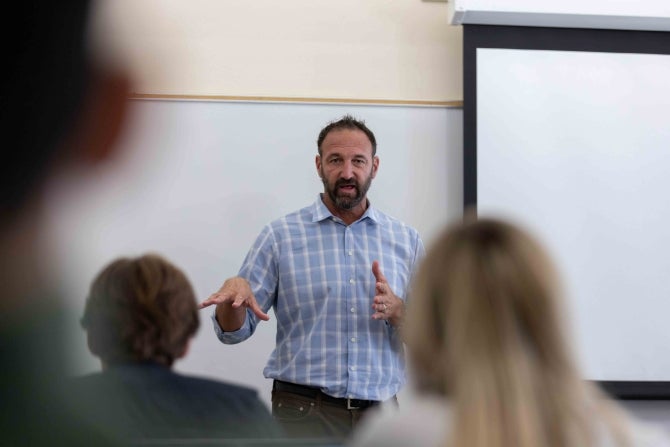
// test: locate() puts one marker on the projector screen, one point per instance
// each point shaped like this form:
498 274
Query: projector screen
573 145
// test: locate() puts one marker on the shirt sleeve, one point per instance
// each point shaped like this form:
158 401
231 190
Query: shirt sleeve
260 269
419 254
231 338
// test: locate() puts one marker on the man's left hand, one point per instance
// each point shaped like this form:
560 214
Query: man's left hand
386 304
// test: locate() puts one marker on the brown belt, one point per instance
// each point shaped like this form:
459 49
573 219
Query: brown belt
316 393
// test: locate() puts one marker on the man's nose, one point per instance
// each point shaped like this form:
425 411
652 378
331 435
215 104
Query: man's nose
347 170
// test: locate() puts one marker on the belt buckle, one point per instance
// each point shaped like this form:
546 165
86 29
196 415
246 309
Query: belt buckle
351 407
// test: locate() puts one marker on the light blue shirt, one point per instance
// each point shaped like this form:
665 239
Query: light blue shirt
316 273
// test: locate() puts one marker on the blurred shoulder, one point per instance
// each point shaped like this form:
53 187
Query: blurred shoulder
217 386
645 434
618 423
419 420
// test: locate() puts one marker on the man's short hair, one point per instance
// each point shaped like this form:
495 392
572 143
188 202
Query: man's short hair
140 309
351 123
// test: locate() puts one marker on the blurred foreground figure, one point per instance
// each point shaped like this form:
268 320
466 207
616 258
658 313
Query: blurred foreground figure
61 112
489 357
140 316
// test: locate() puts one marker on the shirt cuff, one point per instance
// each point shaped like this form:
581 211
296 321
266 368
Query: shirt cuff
230 338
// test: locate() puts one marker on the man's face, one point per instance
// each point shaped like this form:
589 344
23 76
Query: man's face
346 167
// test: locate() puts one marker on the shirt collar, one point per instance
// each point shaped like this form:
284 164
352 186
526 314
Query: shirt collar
321 212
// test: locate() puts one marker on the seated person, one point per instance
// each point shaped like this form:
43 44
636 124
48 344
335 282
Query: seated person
140 316
489 360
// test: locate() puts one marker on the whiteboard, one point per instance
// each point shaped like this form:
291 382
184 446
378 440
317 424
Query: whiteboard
574 145
196 181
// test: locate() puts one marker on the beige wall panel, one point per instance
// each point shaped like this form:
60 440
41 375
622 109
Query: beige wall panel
401 50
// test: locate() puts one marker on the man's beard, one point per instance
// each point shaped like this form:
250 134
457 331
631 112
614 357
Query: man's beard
344 202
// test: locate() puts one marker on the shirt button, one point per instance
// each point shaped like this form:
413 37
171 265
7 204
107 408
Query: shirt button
353 309
351 252
351 280
353 368
353 339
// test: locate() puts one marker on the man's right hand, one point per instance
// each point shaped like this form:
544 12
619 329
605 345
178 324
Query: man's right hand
232 299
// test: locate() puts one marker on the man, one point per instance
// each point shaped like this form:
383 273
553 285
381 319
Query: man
61 112
336 274
140 316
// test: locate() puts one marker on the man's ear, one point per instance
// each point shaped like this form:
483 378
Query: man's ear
375 166
317 161
101 119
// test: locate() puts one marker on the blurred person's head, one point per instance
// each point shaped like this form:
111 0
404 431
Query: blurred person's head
60 107
140 310
485 328
61 111
486 293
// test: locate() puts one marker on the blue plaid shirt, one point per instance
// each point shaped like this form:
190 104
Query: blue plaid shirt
316 273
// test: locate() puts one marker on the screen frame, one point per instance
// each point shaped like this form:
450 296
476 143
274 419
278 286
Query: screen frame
559 39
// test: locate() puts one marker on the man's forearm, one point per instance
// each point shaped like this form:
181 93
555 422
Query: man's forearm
229 318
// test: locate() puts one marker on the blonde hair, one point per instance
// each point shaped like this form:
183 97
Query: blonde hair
484 328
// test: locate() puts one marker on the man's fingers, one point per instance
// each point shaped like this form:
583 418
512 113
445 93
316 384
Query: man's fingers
377 271
237 302
223 297
237 293
208 302
243 300
214 298
380 313
258 311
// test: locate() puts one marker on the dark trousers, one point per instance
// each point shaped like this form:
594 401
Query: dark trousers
306 412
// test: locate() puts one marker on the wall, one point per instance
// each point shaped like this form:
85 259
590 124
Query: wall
402 50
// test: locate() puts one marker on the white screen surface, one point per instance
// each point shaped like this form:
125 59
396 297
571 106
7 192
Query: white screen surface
574 145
